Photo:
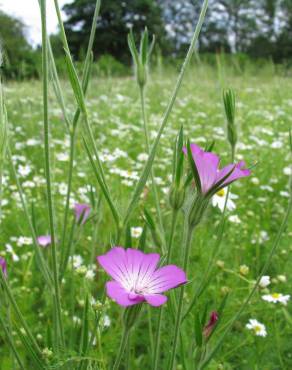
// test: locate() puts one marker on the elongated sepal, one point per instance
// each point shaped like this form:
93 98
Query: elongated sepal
193 167
132 47
144 47
75 83
179 158
220 184
229 106
210 146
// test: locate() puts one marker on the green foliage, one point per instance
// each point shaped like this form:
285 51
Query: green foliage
116 18
19 59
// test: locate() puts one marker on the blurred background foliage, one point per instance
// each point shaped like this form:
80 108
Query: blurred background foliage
241 30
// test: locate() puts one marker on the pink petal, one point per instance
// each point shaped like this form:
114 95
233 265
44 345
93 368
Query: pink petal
207 165
166 278
120 295
114 262
237 173
156 299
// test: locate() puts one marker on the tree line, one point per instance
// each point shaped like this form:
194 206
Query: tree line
257 28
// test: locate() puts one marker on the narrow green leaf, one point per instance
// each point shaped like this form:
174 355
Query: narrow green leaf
75 84
128 238
143 238
198 331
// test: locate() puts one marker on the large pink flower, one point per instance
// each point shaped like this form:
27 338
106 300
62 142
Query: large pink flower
136 277
207 164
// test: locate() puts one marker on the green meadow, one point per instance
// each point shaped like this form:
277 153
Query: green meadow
263 118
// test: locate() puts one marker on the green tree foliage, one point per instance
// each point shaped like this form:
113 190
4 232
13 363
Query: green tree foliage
116 19
20 60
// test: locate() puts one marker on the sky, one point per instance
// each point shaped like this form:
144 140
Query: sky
28 11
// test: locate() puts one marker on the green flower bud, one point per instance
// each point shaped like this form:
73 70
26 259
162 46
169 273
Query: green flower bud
197 210
176 197
141 57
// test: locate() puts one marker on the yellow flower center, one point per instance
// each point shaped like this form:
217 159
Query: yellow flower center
257 328
221 193
276 295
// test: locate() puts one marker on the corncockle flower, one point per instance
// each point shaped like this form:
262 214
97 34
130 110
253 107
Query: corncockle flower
258 328
137 278
82 210
211 324
276 297
210 176
44 240
3 266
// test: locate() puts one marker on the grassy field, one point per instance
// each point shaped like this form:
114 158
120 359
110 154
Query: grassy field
263 116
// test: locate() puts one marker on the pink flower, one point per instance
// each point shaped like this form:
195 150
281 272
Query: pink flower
207 164
136 277
82 210
211 324
44 240
3 266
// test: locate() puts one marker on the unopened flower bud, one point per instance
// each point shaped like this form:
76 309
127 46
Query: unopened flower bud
211 324
244 270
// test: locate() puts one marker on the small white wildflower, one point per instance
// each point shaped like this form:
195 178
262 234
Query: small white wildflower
136 232
258 328
265 281
235 219
219 200
276 297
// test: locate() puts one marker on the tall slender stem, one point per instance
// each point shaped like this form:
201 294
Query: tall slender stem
189 234
160 314
122 348
152 174
59 335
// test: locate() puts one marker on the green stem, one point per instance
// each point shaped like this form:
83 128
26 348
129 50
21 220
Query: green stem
152 174
59 335
189 234
122 348
69 186
160 315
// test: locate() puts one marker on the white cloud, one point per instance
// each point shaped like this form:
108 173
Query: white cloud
28 11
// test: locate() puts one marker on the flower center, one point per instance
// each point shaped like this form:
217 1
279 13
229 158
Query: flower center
257 328
221 193
276 295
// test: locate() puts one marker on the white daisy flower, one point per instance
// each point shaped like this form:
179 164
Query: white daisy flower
258 328
235 219
219 199
276 297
